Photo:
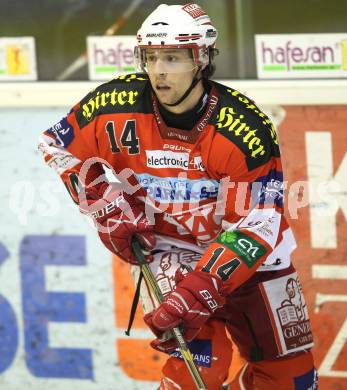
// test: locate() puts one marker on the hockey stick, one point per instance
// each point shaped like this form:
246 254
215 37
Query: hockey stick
83 59
176 333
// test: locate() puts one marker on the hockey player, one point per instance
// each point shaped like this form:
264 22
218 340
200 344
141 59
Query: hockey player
201 185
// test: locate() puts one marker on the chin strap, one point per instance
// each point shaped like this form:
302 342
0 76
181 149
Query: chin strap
188 91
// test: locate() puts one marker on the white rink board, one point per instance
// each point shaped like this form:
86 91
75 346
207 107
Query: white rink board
36 208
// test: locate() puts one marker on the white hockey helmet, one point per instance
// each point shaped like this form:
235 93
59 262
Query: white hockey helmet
177 26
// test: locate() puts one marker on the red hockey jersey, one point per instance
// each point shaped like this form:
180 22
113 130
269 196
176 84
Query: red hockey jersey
218 185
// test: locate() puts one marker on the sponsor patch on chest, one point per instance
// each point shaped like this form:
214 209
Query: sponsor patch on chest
168 159
178 190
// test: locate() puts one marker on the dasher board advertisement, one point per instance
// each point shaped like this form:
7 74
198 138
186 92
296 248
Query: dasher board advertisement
289 56
17 59
109 57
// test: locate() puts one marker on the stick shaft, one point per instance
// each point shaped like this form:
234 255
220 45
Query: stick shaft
182 345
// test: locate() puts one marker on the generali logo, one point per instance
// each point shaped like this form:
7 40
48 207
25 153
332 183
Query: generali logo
301 55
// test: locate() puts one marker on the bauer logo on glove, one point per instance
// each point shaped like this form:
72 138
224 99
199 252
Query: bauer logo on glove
118 218
190 305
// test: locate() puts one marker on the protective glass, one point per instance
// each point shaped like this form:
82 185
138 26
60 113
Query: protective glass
168 60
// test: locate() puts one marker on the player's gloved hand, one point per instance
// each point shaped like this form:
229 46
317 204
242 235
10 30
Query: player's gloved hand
118 218
191 304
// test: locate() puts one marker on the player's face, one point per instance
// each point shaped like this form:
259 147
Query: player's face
171 72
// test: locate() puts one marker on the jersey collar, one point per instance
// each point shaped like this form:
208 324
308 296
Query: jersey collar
189 136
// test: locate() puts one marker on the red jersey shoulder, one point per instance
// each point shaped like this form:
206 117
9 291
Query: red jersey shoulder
241 121
124 94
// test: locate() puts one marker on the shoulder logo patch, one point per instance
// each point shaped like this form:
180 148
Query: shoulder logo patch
104 99
121 92
235 125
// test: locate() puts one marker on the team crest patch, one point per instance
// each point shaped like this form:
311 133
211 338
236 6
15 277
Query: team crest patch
194 10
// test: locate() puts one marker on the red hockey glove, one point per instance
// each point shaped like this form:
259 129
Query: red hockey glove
191 304
118 217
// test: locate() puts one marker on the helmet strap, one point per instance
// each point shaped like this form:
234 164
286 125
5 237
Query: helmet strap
188 91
